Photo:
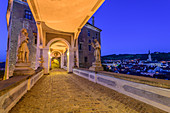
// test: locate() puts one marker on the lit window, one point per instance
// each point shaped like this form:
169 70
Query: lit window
28 15
89 33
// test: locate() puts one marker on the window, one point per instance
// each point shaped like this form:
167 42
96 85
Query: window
89 41
80 46
89 47
96 35
85 59
88 33
35 38
28 15
93 38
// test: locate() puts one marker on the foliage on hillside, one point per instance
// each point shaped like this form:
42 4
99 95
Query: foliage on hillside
155 56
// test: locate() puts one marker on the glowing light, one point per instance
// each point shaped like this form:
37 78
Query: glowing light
67 53
49 53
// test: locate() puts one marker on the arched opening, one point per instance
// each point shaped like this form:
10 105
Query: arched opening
58 54
55 60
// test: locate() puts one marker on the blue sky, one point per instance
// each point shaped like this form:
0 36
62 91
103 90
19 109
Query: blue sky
129 26
3 30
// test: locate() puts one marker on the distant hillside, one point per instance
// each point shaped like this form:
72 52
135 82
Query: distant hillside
155 56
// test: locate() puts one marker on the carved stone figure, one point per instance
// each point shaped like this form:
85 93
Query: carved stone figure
23 66
97 48
22 49
96 66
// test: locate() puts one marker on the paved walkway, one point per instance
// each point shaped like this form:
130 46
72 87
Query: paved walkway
60 92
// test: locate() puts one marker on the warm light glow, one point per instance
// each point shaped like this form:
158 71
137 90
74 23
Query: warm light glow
68 53
49 53
64 15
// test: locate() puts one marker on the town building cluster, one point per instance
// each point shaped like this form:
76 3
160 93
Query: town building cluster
147 68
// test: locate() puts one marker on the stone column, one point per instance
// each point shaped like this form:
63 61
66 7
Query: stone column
77 53
65 59
70 61
37 52
46 63
62 60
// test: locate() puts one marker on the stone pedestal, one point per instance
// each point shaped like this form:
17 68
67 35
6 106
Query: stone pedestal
96 66
23 69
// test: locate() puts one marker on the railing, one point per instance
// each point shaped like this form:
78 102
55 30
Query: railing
10 95
155 96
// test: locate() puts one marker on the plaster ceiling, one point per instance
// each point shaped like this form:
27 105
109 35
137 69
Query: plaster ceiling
60 46
64 15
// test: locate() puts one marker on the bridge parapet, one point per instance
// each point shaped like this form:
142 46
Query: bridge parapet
155 96
13 89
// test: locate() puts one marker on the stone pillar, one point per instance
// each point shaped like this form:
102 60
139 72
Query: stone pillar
62 60
38 52
6 74
70 61
77 53
65 59
46 63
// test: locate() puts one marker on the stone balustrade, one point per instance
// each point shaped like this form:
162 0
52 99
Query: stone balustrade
13 89
155 96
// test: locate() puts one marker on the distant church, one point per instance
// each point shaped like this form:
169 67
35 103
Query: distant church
19 16
149 56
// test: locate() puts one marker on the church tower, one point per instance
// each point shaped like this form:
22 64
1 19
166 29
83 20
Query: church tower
149 56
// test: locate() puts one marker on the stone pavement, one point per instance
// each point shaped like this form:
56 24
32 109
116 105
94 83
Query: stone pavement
60 92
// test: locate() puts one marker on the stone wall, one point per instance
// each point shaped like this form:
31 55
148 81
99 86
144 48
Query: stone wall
17 22
13 93
155 96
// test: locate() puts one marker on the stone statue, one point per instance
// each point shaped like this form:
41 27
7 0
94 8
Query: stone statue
23 66
96 66
22 49
97 48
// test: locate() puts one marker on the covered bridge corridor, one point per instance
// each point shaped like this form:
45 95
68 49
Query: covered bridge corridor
60 92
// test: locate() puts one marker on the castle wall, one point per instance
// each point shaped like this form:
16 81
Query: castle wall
17 22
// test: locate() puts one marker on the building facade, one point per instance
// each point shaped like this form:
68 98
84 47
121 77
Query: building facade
19 16
86 51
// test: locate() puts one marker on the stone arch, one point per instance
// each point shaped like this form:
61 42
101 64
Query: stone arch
70 60
57 51
52 64
58 39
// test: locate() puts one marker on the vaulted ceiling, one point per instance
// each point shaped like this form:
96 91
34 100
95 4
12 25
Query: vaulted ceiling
64 15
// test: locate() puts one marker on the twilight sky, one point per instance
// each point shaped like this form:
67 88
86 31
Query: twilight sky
129 26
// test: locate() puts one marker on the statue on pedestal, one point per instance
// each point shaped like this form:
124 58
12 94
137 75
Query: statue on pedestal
97 48
23 66
22 49
96 66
